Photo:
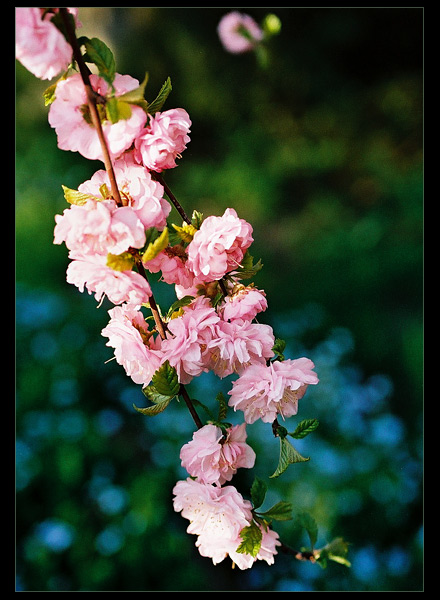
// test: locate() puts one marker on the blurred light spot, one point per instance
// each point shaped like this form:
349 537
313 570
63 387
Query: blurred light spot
72 424
43 346
365 564
109 541
398 561
36 310
38 423
349 501
112 500
135 523
108 421
64 392
55 534
387 430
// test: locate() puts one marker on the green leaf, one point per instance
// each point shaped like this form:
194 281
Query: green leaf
282 511
155 247
258 492
196 219
166 381
99 53
186 232
247 269
159 101
278 349
151 411
223 406
307 522
251 536
152 394
117 110
136 96
185 301
75 197
336 550
304 428
120 262
288 455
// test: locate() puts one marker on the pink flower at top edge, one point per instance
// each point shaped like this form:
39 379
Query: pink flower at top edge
134 345
39 44
219 245
163 140
212 459
263 392
69 116
239 32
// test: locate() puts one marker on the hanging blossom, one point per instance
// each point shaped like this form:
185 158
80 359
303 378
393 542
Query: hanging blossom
239 32
187 338
70 117
91 272
39 45
263 392
135 347
243 303
163 140
217 515
219 245
238 344
214 457
140 191
99 227
171 262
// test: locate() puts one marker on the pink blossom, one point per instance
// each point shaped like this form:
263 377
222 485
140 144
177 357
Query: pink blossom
187 339
99 227
142 193
172 263
69 116
239 32
213 458
219 245
135 346
39 44
163 140
243 303
217 516
263 392
91 272
238 344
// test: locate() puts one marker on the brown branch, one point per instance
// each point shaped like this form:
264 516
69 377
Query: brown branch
304 556
91 102
172 197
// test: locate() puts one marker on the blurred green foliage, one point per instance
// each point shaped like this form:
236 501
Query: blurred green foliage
322 153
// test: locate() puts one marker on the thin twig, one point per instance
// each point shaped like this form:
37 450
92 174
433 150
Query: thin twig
91 102
172 197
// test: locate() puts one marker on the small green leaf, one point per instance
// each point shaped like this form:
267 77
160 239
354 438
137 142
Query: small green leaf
99 53
251 536
336 550
136 96
288 455
304 428
258 492
247 269
75 197
159 101
196 219
223 406
117 110
152 394
155 247
307 522
186 232
151 411
185 301
166 381
278 349
120 262
282 511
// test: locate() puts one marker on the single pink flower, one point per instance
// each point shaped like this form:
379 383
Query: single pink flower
134 346
219 245
99 227
163 140
70 117
239 32
172 264
143 194
91 272
213 458
238 344
263 392
39 44
243 303
187 339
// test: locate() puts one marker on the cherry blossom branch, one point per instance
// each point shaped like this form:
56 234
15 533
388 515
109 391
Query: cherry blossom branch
91 102
173 199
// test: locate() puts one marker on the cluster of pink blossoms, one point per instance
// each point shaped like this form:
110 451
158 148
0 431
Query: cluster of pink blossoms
215 330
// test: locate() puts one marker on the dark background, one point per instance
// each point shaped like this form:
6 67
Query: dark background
322 153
